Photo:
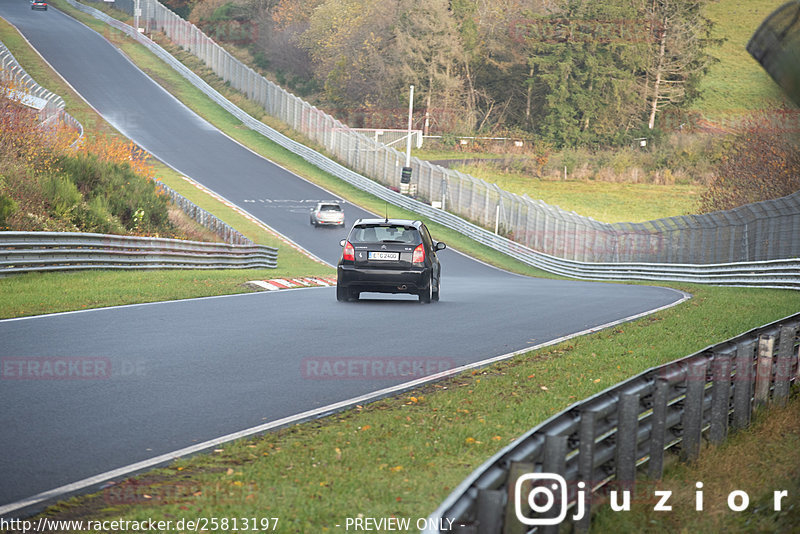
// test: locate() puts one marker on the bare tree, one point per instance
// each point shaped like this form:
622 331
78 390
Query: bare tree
680 35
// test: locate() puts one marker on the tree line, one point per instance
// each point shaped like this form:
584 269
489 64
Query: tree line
569 72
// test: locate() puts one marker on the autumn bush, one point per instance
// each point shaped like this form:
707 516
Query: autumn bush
48 184
762 163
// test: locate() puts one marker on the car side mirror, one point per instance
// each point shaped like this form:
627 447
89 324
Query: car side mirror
440 246
342 242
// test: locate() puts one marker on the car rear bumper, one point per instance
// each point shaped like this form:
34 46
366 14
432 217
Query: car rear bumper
383 280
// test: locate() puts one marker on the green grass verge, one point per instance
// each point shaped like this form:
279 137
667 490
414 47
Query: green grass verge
40 293
401 456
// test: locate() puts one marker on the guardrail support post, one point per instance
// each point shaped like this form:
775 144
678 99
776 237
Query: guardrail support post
743 384
555 452
721 398
627 433
658 430
766 348
797 361
693 410
511 524
783 368
586 435
490 511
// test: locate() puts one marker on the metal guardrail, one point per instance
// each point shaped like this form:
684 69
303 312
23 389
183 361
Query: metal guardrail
10 69
225 231
780 273
598 443
23 252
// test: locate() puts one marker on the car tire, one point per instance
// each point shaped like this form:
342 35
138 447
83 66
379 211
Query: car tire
426 295
435 296
342 294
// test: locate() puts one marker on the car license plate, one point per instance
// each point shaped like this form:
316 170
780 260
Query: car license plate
391 256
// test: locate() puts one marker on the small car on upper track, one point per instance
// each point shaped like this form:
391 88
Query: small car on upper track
327 214
389 256
39 4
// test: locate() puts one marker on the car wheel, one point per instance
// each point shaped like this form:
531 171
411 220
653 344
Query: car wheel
426 295
342 294
435 295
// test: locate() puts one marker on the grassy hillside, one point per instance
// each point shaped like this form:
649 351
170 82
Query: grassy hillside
737 84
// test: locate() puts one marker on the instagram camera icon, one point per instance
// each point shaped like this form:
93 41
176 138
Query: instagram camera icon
542 498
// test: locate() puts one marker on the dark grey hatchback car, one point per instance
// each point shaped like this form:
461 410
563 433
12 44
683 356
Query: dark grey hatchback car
389 256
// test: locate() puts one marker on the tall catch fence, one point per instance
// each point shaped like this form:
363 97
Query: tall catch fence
763 231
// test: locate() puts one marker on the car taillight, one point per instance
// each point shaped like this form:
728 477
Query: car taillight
349 252
419 254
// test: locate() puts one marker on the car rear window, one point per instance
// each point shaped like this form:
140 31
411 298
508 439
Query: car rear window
330 207
385 234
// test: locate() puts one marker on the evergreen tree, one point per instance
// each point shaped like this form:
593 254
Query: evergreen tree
585 66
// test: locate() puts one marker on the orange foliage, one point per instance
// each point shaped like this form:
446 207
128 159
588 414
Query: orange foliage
37 141
115 150
27 137
763 164
288 12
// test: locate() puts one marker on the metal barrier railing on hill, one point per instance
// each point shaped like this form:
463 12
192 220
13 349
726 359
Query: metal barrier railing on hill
225 231
598 443
22 82
23 252
765 231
